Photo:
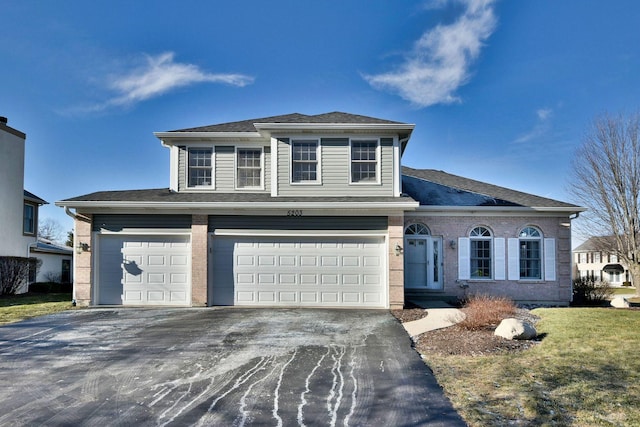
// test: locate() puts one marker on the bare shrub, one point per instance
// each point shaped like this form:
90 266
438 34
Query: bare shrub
14 273
52 277
483 311
589 291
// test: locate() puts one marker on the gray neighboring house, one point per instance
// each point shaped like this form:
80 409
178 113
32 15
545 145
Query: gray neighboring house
314 211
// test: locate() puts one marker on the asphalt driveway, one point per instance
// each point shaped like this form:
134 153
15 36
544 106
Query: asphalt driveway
278 367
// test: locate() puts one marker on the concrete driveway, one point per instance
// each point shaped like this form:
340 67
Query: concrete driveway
205 367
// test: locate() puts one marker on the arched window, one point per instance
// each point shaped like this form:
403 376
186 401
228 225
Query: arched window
530 244
417 229
481 256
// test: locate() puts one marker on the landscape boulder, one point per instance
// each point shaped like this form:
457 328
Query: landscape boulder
515 329
620 302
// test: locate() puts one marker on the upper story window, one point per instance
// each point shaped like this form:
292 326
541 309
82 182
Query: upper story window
29 219
249 168
200 173
596 257
480 240
365 161
530 243
304 161
583 257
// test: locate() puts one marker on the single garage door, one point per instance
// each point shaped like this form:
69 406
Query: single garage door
298 271
143 270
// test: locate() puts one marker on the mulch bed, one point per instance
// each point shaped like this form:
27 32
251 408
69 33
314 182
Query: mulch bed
457 341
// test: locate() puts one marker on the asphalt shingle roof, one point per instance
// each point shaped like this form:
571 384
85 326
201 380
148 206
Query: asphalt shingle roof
477 193
168 196
248 125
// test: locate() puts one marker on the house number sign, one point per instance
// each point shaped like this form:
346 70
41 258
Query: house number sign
294 212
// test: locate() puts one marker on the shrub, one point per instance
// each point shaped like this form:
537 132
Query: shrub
14 273
50 288
483 311
588 291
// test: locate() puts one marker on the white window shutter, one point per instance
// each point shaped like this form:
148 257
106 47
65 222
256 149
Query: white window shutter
514 259
464 252
499 259
550 259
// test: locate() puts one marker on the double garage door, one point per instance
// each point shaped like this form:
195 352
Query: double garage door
143 270
298 271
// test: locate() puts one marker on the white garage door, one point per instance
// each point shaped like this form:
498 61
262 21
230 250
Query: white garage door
298 271
143 270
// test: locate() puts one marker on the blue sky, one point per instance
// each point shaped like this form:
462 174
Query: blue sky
499 91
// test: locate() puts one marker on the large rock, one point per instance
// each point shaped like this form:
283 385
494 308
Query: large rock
620 302
515 329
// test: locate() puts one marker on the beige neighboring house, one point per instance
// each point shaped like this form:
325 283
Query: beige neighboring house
591 260
314 211
19 210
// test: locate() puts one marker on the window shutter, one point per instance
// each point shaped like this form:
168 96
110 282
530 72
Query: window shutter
549 259
464 252
499 260
514 259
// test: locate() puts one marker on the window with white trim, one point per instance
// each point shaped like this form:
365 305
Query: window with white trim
249 168
304 161
530 253
365 161
200 170
481 254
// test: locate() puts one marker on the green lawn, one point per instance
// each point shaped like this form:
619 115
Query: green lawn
20 307
585 372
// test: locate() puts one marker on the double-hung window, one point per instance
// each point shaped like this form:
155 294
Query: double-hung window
304 161
365 161
480 254
530 243
200 173
249 168
29 219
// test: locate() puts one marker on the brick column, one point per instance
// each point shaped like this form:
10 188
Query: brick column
82 261
395 228
199 256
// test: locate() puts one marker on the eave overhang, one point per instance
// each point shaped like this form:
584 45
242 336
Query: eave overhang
503 209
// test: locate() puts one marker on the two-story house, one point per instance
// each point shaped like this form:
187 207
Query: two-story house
19 208
595 259
317 211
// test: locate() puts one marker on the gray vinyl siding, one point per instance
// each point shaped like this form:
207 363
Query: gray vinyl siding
297 223
335 171
224 172
120 222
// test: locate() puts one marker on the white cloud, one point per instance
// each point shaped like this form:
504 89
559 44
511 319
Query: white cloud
156 76
161 74
439 62
540 128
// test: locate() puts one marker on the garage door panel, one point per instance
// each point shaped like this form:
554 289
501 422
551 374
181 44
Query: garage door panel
318 271
143 270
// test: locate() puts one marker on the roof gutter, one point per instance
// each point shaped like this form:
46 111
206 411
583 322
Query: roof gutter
234 205
520 209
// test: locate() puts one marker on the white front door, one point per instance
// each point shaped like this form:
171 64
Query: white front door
423 262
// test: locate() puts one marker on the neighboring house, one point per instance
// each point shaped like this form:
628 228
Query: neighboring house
593 260
315 211
56 261
18 207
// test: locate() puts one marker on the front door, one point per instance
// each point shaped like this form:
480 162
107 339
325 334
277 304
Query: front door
423 262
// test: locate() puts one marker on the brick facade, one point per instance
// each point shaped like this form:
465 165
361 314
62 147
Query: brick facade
395 228
199 252
451 227
83 276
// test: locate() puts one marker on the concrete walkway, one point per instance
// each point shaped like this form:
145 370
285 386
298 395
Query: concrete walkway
439 315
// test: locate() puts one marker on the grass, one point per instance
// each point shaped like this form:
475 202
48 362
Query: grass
624 291
21 307
585 372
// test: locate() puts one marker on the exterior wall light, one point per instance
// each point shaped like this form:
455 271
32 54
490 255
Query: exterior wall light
397 249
